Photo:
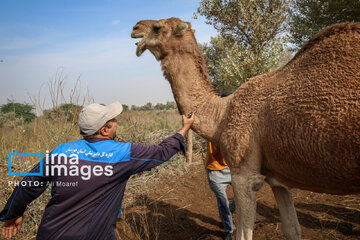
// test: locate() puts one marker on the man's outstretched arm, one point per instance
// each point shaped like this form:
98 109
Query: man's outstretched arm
146 157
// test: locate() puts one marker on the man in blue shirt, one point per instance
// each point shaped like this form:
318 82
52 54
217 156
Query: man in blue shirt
88 178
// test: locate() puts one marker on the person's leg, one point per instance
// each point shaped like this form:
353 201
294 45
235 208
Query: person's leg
218 182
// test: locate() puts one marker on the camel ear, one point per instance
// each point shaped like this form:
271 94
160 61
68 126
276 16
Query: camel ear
181 29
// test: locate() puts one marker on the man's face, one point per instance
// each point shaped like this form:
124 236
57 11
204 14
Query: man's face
112 128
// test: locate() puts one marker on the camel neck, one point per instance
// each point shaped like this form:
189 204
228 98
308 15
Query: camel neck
193 91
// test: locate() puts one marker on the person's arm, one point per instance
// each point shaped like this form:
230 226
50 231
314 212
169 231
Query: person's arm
187 122
146 157
27 190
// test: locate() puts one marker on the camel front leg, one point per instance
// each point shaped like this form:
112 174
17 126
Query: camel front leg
289 222
245 184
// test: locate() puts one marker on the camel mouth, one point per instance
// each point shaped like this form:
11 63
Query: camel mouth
141 47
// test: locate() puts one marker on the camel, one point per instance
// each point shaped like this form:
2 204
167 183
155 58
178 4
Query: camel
295 127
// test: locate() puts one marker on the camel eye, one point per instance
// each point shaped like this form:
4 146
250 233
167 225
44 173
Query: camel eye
156 28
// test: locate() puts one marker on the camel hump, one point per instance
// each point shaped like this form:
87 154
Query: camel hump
335 29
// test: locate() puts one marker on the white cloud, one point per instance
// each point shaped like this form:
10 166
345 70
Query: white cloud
115 22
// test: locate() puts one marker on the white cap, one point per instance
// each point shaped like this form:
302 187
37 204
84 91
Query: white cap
94 116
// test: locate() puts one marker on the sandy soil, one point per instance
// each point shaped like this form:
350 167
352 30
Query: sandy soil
185 208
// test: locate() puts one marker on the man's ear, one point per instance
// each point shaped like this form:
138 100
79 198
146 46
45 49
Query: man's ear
103 131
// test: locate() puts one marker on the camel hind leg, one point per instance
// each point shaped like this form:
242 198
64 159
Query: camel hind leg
289 222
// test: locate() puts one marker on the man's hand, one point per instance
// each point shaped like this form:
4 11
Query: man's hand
187 122
12 227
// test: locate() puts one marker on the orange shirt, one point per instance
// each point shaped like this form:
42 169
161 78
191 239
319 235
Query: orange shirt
214 159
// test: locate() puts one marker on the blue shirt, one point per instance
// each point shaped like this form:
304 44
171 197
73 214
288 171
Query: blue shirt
88 179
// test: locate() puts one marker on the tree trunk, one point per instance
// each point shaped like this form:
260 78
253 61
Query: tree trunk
189 150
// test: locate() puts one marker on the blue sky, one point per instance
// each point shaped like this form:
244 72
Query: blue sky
85 38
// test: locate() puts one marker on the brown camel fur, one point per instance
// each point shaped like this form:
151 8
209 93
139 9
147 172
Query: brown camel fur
299 126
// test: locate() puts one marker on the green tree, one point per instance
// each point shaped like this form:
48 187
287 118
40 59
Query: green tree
308 17
68 111
134 108
21 110
159 106
170 105
125 107
250 38
148 106
71 110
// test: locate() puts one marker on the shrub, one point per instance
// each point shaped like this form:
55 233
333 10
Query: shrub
21 110
69 111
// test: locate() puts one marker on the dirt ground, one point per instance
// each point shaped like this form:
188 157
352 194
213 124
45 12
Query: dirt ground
185 208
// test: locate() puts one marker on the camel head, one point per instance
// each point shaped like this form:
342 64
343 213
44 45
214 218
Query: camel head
141 30
163 36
